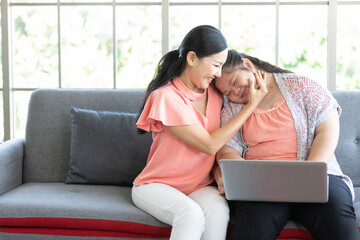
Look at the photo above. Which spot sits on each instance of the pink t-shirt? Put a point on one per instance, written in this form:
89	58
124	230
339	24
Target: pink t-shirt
271	134
171	160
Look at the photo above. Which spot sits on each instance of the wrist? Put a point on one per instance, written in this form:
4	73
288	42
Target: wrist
250	106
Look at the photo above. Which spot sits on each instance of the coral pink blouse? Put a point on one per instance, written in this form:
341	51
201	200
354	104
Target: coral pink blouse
271	134
172	161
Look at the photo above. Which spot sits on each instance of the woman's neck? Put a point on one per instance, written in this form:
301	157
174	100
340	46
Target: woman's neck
186	79
273	95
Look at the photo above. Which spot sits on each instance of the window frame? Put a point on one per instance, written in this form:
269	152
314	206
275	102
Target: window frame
7	5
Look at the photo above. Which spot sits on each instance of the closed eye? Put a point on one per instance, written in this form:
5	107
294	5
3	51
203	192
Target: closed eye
233	82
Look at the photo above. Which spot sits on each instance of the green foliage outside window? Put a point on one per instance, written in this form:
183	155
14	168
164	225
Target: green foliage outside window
86	43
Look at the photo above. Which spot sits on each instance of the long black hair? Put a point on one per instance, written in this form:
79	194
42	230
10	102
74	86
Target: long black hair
235	61
204	40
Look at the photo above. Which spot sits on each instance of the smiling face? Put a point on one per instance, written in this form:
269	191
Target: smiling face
203	70
235	84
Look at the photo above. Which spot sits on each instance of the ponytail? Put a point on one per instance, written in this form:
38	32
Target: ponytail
204	40
169	67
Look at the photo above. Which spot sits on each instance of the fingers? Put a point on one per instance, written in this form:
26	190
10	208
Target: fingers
264	76
221	191
221	187
251	84
260	79
257	88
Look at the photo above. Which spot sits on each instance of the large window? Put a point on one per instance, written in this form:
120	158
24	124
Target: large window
1	87
348	47
118	43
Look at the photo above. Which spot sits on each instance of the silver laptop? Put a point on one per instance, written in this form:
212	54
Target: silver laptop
275	180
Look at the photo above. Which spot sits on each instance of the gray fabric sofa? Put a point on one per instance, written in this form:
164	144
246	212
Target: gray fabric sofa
37	203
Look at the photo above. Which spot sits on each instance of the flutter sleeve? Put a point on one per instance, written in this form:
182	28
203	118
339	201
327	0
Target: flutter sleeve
319	102
166	108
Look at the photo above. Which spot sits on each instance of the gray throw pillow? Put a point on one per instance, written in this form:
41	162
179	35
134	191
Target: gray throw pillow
106	148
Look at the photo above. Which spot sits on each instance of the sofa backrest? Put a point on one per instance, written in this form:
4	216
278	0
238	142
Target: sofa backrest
48	134
348	148
47	140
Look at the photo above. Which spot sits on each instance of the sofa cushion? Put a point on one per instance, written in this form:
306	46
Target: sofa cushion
87	211
62	209
105	148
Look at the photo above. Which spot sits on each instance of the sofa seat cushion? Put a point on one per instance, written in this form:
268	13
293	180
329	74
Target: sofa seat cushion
63	209
90	210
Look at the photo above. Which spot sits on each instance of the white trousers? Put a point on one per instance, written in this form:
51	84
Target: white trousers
203	214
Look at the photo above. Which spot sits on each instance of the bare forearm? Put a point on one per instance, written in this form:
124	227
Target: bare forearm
227	152
221	136
322	148
210	143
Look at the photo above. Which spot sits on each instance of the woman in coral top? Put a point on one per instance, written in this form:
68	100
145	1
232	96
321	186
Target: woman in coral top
296	120
182	110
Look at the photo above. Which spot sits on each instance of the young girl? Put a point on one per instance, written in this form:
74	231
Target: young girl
182	109
296	120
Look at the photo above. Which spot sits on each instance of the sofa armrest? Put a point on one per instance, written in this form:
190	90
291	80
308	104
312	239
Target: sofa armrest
11	164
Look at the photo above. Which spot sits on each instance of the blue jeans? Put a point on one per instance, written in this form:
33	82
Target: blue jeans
265	220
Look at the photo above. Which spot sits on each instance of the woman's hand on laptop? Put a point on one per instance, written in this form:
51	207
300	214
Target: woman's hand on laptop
218	178
225	152
220	184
